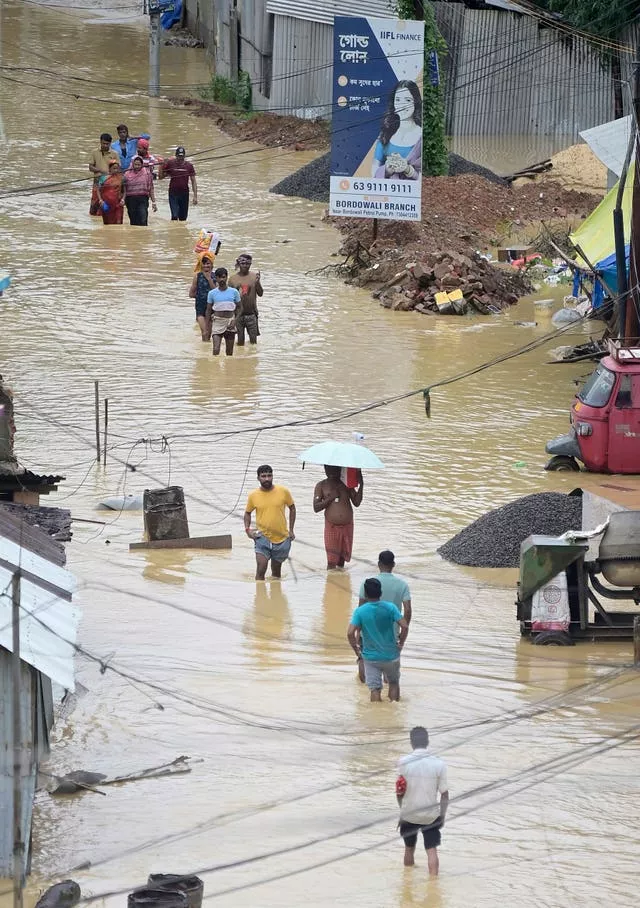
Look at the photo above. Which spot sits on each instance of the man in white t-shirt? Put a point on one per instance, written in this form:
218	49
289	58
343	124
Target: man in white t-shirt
421	778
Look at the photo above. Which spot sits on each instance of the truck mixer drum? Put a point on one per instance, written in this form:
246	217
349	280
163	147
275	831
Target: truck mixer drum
619	555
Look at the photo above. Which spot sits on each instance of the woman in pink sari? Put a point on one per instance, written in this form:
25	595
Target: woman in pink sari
110	190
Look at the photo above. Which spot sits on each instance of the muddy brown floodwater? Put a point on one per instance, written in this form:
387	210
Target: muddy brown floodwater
292	801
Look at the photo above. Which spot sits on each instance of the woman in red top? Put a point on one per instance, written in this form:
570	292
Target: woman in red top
138	189
109	191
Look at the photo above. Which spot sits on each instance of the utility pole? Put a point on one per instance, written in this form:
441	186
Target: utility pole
154	48
632	319
18	844
234	63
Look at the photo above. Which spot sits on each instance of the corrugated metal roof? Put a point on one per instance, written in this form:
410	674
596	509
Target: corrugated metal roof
325	10
302	67
511	78
48	621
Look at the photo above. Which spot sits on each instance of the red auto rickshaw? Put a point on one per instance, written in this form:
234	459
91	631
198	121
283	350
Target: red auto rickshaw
605	419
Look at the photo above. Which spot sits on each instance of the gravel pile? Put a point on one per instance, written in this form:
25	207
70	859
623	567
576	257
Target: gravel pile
459	165
493	540
312	180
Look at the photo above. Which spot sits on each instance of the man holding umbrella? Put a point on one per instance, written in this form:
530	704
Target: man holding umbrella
337	501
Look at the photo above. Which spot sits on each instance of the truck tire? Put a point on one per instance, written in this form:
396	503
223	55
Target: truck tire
553	638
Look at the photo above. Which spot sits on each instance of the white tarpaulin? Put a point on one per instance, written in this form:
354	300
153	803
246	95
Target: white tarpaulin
609	142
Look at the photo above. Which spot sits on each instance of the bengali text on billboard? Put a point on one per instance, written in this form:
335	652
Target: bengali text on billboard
376	146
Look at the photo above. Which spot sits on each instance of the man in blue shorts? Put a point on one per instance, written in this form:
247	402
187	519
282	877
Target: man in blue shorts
272	538
372	635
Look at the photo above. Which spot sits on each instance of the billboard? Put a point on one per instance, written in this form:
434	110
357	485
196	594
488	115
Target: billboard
376	143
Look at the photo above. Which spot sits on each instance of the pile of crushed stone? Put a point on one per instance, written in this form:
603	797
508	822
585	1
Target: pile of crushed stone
312	181
493	540
309	182
459	165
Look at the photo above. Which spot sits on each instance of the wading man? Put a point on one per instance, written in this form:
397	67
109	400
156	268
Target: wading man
272	538
180	172
372	635
247	282
421	778
337	501
394	588
220	315
99	166
125	146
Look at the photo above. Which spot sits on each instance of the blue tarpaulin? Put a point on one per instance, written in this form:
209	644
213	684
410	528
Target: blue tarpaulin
607	270
171	17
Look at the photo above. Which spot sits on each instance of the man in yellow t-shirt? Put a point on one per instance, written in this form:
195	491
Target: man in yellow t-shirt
272	538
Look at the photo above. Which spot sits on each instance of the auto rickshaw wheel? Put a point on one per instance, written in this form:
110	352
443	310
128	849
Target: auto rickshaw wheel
553	638
563	463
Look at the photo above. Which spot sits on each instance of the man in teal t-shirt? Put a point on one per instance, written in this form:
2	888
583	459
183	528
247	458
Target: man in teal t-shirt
372	636
394	588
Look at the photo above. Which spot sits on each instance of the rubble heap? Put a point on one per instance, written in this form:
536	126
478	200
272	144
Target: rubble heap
467	282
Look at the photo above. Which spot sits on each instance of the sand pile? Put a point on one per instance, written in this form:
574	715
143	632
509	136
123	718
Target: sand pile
574	168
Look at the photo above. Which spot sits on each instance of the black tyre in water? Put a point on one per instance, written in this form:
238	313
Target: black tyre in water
157	898
191	886
553	638
563	463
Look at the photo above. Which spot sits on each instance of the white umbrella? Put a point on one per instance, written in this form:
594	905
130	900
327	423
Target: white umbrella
342	454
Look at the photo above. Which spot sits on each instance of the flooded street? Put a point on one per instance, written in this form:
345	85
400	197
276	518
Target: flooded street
291	798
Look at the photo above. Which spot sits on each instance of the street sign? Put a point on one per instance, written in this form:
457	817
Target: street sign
434	68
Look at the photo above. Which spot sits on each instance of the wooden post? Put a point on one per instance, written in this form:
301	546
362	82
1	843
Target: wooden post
636	641
96	401
106	427
18	844
375	229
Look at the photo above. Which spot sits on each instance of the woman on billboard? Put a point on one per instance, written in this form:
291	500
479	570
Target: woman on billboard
398	151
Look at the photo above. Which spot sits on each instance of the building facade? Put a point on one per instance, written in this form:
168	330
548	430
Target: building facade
506	73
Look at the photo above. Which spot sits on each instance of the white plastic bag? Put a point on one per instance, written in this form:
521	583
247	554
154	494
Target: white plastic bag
550	606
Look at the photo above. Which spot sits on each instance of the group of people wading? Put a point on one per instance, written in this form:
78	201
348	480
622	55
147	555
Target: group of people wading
226	307
377	633
124	172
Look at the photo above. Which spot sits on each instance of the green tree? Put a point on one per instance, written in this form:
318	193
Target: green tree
435	157
605	18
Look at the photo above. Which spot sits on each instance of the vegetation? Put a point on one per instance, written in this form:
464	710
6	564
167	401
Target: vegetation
435	160
605	18
224	91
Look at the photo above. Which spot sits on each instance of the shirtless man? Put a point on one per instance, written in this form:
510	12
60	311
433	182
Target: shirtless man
248	283
336	500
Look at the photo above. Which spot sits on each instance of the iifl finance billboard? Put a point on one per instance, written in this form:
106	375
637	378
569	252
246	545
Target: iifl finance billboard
376	144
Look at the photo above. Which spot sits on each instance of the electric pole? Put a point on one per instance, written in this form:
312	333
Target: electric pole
18	844
632	318
154	47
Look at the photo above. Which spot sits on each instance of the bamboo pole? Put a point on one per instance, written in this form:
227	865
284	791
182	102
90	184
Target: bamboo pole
106	427
96	404
636	641
18	844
